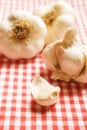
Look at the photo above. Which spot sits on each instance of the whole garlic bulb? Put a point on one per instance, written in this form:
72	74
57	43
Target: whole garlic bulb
67	59
22	35
58	17
44	93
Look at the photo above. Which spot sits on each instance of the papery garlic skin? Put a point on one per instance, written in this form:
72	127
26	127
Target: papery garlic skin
22	35
70	58
58	17
44	93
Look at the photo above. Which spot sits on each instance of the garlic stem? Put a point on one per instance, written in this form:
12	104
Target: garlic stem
21	30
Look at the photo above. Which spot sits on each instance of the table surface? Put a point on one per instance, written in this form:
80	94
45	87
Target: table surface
18	110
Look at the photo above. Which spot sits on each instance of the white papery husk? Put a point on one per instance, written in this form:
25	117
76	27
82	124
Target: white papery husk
43	92
67	58
57	16
22	35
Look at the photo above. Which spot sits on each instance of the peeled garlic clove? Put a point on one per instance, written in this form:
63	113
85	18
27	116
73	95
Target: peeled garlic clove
22	35
70	56
44	93
57	16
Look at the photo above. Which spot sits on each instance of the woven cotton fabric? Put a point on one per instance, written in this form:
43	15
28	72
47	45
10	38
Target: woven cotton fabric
18	110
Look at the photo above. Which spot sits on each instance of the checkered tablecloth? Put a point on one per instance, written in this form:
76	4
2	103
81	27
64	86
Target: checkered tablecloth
18	110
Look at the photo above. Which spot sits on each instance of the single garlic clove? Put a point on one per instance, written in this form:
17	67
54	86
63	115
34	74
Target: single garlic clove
22	34
58	17
49	56
82	78
69	56
70	62
44	93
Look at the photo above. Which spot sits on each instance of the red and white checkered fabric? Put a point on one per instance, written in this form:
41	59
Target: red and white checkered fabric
18	110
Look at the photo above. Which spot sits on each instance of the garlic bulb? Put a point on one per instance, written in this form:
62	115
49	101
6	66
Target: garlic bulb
67	58
22	35
58	17
44	93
